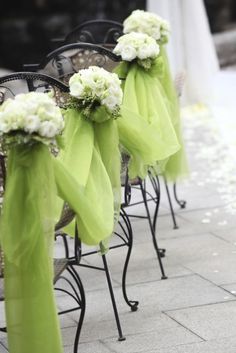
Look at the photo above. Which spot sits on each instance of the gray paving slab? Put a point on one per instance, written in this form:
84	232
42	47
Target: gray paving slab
146	319
96	347
196	248
153	340
218	269
217	346
3	349
179	293
226	234
165	295
209	321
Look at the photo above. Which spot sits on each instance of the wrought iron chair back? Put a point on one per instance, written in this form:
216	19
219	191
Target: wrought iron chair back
63	62
102	32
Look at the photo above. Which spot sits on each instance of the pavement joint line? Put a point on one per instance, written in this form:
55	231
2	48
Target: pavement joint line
185	327
107	345
186	236
210	281
160	280
201	305
220	237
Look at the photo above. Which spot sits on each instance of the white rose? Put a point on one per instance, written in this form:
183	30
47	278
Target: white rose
110	102
4	123
76	89
128	53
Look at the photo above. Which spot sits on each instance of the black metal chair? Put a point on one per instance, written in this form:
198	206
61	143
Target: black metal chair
64	271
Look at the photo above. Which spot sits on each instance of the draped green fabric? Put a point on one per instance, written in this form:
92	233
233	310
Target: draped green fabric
27	235
91	155
177	165
145	118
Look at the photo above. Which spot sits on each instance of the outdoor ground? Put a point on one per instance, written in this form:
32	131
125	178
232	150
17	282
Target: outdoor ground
194	310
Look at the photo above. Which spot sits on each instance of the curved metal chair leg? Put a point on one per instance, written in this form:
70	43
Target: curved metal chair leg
133	304
78	295
163	275
109	282
181	203
82	302
175	225
156	187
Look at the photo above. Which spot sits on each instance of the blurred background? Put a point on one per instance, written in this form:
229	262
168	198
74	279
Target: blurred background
27	26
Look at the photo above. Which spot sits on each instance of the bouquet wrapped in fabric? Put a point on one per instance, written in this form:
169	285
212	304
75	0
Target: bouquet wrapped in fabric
149	23
28	124
144	96
159	29
30	117
97	93
137	47
91	152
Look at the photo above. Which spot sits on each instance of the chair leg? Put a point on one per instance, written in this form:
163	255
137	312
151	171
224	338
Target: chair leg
133	304
175	225
156	187
181	203
163	276
77	293
82	303
110	287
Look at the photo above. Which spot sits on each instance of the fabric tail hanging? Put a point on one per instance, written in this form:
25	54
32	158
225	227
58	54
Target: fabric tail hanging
27	236
92	157
177	165
145	102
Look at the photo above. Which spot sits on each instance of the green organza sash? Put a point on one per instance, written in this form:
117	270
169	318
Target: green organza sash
27	228
177	165
145	111
91	155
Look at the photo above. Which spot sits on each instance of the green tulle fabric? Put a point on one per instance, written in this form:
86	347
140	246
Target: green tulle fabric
177	165
27	236
146	130
91	155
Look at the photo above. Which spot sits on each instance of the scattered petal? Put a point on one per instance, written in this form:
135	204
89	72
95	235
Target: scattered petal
222	223
206	220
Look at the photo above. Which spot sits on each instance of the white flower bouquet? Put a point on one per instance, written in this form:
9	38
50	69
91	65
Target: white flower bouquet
138	47
97	93
149	23
30	117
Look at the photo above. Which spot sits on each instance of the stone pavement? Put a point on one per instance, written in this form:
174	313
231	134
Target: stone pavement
194	310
